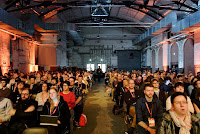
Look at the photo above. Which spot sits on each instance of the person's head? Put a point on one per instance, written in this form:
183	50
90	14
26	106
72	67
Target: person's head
54	81
32	79
54	94
144	78
20	85
125	83
179	87
155	75
72	81
65	77
179	103
65	86
38	75
155	83
131	84
15	75
119	77
148	90
197	83
80	78
44	87
3	82
25	94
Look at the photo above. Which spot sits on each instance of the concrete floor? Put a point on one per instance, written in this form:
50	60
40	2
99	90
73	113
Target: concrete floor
98	109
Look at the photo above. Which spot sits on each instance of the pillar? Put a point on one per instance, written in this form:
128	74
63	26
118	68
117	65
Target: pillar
197	51
165	56
4	52
47	51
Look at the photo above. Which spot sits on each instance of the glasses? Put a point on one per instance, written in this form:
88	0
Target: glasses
181	102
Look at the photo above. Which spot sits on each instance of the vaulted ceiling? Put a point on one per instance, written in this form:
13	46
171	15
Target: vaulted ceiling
134	16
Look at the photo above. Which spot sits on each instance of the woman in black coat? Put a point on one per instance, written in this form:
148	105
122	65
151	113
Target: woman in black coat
56	106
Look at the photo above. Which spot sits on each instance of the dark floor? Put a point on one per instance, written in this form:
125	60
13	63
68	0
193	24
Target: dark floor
98	109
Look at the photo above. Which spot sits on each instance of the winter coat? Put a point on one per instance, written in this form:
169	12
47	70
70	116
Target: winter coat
167	125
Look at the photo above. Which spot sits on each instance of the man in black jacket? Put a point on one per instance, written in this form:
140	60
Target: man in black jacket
148	111
25	113
131	96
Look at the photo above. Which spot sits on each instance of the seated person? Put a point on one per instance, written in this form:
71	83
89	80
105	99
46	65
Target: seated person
34	87
4	90
149	110
68	96
196	103
42	97
131	96
179	87
81	85
16	94
179	120
160	94
24	115
56	106
5	107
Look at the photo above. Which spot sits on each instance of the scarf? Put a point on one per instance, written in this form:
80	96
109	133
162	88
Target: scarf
185	125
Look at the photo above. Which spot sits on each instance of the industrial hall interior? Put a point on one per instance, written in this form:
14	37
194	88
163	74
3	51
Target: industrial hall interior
99	66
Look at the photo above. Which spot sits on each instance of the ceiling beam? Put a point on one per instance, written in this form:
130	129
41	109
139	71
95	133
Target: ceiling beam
11	4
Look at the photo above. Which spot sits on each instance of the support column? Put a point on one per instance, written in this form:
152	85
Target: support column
47	51
156	57
148	59
165	56
180	56
197	51
4	52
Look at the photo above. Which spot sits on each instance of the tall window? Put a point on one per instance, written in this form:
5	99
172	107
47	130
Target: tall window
90	67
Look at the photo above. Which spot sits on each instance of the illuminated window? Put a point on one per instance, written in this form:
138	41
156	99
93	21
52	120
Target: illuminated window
90	67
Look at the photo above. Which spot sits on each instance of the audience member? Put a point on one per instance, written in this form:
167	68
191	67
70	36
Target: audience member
179	120
56	106
148	111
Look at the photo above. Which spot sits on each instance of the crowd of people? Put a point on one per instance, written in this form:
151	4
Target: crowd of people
24	97
156	103
161	102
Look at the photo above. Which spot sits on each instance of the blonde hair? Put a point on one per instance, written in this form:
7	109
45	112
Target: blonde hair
51	101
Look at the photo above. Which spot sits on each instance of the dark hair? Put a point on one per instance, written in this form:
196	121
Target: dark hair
147	85
178	84
32	76
54	78
167	78
197	95
66	82
154	80
3	79
20	82
80	76
195	83
72	78
174	95
26	88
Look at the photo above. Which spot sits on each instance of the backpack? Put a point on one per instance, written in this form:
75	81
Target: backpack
82	120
